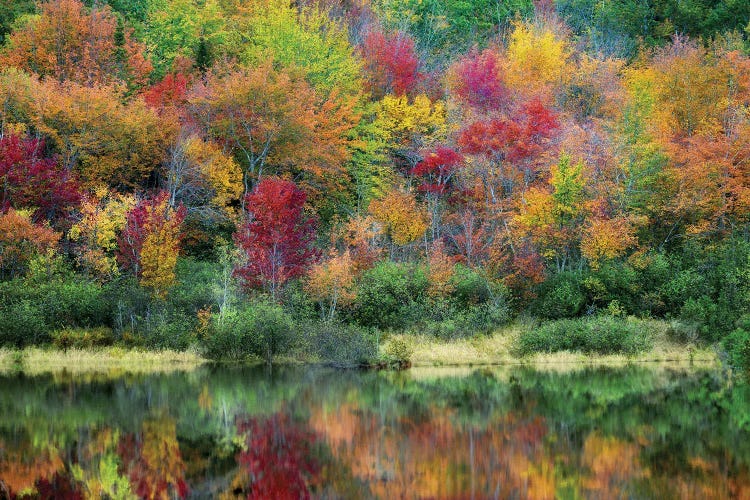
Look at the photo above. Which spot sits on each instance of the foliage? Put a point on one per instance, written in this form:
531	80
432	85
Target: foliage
150	242
600	334
276	238
68	42
391	296
259	329
21	324
20	240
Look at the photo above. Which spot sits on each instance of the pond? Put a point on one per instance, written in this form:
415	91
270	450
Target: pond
300	432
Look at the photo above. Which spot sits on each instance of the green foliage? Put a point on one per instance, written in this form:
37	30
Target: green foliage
737	345
255	329
599	334
620	26
391	296
21	324
560	296
10	12
398	350
441	26
339	344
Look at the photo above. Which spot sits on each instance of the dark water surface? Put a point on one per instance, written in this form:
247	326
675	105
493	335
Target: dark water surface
630	432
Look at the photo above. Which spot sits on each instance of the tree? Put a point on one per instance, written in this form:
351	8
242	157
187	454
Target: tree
103	215
303	37
537	59
273	123
20	240
437	170
477	80
27	180
390	63
97	135
331	283
69	42
276	238
401	218
150	242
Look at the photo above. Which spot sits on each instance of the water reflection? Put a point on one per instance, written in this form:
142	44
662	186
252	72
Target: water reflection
318	433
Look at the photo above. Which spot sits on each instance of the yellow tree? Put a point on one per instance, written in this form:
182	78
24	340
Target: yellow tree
331	283
150	243
103	216
400	216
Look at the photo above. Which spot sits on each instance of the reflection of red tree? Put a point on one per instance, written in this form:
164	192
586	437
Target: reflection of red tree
278	459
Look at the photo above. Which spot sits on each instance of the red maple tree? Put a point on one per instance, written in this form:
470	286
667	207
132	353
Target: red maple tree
477	80
28	180
391	63
277	237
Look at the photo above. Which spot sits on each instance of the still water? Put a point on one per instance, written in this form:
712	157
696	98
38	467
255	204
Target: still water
220	432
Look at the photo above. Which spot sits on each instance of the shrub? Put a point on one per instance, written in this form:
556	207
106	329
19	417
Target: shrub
391	296
21	324
737	345
561	296
83	338
600	334
477	320
340	344
167	330
259	329
398	350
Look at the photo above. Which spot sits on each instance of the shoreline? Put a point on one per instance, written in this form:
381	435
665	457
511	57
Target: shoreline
426	352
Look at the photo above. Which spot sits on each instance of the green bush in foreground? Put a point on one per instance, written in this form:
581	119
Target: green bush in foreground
737	345
599	334
340	344
21	324
260	329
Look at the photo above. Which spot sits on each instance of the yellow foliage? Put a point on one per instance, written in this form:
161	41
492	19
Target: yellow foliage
420	123
161	245
103	216
606	239
402	218
217	170
536	58
332	281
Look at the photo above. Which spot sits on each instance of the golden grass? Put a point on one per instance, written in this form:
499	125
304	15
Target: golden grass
497	349
35	360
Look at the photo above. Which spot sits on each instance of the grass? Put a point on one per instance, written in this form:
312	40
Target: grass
500	348
35	360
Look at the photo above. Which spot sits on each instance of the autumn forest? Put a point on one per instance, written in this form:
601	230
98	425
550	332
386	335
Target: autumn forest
267	179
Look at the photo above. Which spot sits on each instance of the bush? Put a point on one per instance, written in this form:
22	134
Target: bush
21	324
83	338
391	296
737	345
166	330
398	350
477	320
259	329
340	344
561	296
67	301
600	334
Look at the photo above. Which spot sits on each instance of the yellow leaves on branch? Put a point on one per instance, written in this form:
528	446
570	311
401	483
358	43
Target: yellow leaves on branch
331	282
606	239
402	219
536	58
420	123
103	216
